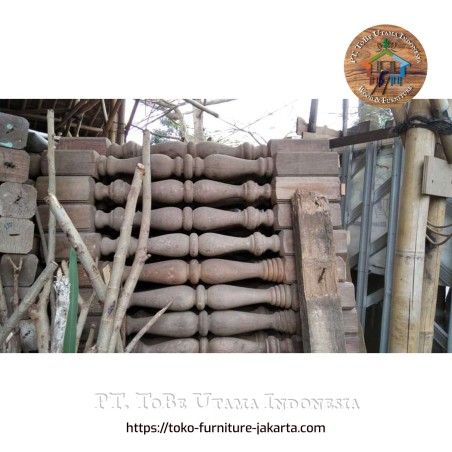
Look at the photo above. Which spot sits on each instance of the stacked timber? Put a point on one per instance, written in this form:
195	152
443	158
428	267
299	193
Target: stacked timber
18	250
222	243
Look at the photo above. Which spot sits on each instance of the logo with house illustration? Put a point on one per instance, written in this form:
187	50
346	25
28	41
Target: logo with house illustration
385	66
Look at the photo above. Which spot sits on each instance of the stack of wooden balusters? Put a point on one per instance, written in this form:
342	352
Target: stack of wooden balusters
221	240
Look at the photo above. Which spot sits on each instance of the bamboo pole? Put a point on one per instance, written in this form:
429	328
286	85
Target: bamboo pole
441	109
410	243
122	123
108	313
77	243
27	301
141	254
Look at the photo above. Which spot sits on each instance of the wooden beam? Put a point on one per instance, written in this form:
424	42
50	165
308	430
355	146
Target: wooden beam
13	131
373	135
315	257
312	124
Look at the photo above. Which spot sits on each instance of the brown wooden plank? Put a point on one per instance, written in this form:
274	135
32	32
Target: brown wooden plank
62	246
352	343
14	165
69	189
286	238
316	266
27	274
373	135
283	216
82	215
70	163
304	145
13	131
98	144
306	164
16	235
17	200
285	187
96	306
437	178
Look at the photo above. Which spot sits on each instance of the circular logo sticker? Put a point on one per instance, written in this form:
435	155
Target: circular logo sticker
385	66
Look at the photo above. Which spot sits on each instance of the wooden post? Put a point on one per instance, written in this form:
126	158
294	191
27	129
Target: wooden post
442	109
410	243
315	256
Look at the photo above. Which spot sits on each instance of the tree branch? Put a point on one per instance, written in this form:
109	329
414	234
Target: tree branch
141	252
27	301
146	327
108	313
202	107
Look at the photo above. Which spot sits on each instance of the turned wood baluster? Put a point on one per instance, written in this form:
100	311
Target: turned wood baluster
219	345
220	323
178	149
174	192
208	244
219	297
210	271
201	218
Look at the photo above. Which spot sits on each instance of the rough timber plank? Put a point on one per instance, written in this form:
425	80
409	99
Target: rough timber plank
321	312
283	216
73	163
17	200
82	215
286	238
27	274
69	189
98	144
276	146
347	294
16	235
306	164
14	165
13	131
285	187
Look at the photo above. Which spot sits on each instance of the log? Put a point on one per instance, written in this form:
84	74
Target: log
201	218
178	149
306	164
70	189
285	187
17	200
218	297
216	167
283	216
211	271
13	131
27	274
320	305
271	344
174	192
209	245
14	165
221	323
16	235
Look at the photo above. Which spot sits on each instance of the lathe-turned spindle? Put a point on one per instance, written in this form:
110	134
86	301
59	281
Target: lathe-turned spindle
219	345
218	297
211	271
179	149
201	218
220	323
218	167
208	244
174	192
